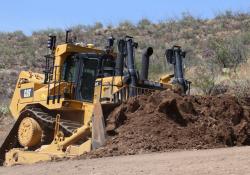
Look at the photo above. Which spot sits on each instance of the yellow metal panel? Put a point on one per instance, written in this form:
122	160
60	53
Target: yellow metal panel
106	87
166	79
88	111
67	48
73	150
17	156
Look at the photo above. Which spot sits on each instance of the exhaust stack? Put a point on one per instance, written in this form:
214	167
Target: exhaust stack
145	63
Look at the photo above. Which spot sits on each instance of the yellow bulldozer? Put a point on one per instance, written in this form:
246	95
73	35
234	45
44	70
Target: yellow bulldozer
62	112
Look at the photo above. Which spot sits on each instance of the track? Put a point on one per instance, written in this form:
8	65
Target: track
206	162
46	121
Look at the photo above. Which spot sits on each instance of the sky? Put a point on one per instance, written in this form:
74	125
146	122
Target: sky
32	15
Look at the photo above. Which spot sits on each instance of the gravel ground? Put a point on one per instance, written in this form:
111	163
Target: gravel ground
223	161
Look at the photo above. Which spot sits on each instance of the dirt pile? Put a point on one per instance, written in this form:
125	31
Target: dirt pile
167	121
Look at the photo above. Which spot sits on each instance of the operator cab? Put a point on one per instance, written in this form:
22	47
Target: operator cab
82	70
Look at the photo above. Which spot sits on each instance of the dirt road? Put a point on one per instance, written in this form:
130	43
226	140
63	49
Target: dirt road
226	161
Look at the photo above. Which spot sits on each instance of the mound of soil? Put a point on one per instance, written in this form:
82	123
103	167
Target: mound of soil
167	121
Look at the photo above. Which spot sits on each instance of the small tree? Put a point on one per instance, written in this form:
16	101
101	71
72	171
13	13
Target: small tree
228	53
126	25
144	23
97	25
204	78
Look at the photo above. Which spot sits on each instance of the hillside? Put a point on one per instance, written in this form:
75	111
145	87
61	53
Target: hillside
211	45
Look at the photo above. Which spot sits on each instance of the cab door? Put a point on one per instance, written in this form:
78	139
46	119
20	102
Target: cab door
86	72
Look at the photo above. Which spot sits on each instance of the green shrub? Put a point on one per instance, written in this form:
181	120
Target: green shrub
4	110
228	53
204	79
241	88
126	25
144	23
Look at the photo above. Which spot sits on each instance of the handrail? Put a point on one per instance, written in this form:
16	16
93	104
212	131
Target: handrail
56	81
123	94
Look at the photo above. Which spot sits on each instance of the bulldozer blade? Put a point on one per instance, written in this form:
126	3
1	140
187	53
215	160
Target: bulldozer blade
98	127
100	114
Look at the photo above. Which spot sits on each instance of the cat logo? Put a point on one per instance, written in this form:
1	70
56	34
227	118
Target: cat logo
27	93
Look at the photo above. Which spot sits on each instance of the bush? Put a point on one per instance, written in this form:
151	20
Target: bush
228	14
126	25
204	79
241	88
4	110
188	20
229	53
246	38
143	23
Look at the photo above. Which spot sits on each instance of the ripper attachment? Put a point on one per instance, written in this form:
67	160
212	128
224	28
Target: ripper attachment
175	56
